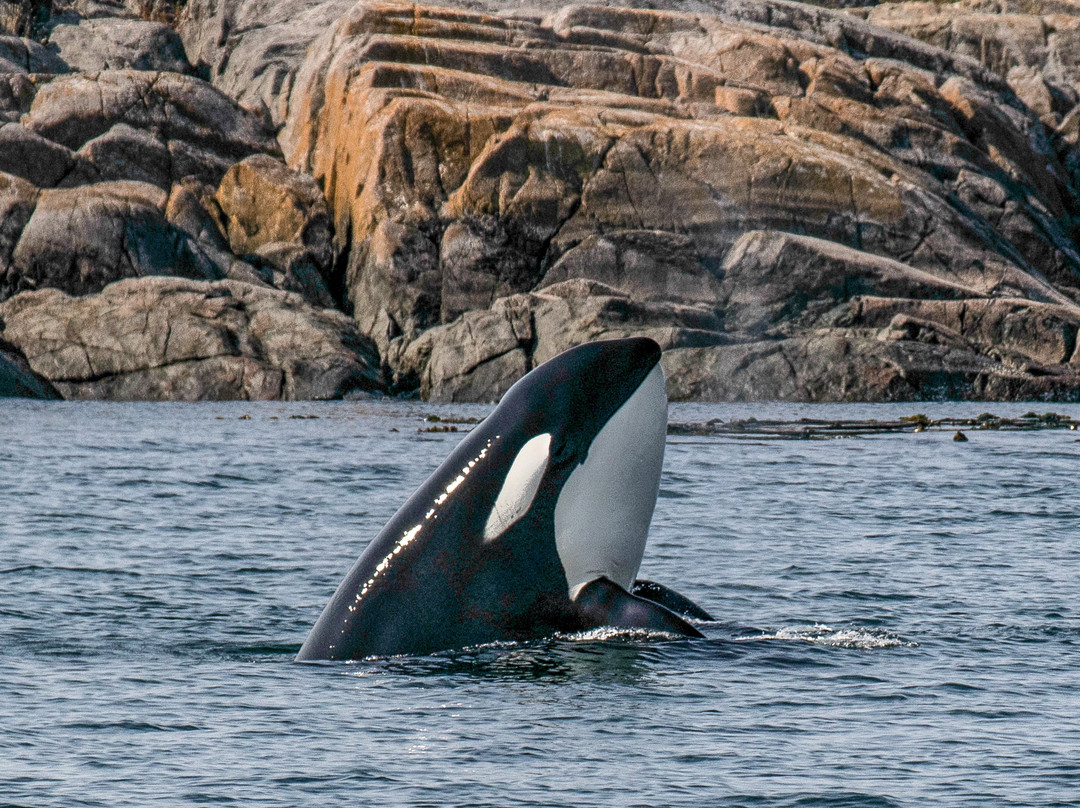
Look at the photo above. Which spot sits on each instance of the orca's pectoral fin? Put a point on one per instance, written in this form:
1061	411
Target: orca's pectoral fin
604	603
669	599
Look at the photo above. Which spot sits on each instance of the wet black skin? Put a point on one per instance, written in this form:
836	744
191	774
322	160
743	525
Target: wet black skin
669	599
448	588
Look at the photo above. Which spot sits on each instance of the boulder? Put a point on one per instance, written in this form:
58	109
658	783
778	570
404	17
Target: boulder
280	217
21	55
26	153
81	239
129	124
18	198
174	339
92	45
16	94
122	153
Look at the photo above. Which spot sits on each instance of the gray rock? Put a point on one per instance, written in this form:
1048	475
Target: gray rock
853	366
81	239
18	198
113	44
770	278
17	92
203	131
294	269
645	264
122	153
169	339
794	203
19	55
1016	331
478	357
28	155
470	157
253	48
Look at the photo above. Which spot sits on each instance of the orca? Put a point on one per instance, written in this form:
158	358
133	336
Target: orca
534	525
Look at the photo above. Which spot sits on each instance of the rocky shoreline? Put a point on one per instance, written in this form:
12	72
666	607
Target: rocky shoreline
239	199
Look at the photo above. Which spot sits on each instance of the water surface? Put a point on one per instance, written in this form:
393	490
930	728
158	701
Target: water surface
898	621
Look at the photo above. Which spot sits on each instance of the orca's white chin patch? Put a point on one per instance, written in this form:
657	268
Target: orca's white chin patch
603	513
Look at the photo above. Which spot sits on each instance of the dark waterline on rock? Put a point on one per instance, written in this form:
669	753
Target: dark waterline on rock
897	620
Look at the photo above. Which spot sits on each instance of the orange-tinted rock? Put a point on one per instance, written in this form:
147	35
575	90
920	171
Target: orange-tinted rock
470	157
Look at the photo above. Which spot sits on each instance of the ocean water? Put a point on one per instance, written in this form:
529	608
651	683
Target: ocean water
898	621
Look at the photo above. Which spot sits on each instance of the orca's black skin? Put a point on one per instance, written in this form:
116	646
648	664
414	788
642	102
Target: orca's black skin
429	581
605	603
669	599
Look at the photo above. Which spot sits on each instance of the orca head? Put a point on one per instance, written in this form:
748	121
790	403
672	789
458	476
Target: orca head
591	426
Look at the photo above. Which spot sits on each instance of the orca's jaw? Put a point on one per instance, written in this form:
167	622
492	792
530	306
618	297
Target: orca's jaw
604	509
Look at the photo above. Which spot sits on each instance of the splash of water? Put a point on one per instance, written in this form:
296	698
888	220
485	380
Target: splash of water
821	634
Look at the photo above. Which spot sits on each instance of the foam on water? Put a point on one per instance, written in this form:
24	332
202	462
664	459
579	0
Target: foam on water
609	633
820	634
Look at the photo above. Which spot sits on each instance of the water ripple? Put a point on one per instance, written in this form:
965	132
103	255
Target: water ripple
898	623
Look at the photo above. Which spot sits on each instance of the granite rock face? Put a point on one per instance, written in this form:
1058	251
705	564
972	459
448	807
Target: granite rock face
279	217
145	221
174	339
252	49
164	126
108	175
1033	45
877	203
468	158
95	174
17	379
91	45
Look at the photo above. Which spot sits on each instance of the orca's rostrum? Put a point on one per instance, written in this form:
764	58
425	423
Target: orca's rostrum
535	524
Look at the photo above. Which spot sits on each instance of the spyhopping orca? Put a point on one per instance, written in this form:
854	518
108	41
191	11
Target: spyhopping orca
535	523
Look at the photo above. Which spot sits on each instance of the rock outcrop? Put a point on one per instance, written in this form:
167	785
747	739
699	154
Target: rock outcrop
875	203
92	45
469	157
98	171
109	175
174	339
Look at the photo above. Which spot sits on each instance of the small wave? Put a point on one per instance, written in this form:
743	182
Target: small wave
600	634
820	634
89	570
604	633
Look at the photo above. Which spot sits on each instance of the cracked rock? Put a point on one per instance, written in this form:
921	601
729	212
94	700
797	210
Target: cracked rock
174	339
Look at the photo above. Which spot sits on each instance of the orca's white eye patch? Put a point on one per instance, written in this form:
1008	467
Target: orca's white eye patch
520	486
